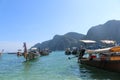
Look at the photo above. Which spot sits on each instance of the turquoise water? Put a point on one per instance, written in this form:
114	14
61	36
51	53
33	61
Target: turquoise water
56	66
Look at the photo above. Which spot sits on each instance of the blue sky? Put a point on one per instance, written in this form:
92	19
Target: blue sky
34	21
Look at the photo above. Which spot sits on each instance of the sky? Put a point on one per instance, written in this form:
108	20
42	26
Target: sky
35	21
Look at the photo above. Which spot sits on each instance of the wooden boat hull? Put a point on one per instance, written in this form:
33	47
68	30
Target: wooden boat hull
106	65
32	56
67	53
42	53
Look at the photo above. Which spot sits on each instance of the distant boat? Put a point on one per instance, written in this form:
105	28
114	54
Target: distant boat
45	52
105	58
74	51
12	53
68	51
1	51
19	53
31	54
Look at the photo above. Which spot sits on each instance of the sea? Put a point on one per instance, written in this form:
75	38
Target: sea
55	66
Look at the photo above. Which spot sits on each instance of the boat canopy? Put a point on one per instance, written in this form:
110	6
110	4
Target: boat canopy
34	48
88	41
108	41
104	50
115	49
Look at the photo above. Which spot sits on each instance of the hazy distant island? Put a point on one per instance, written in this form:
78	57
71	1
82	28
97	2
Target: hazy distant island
109	30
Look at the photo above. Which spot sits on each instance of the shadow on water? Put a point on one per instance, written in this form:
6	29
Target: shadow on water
93	73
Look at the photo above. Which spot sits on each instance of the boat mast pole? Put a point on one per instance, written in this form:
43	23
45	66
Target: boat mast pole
25	50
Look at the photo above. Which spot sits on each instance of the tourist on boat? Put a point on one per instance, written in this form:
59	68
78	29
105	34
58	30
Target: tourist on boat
82	51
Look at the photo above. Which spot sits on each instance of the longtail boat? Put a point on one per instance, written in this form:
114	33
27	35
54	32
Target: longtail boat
105	58
44	52
30	55
67	51
1	52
